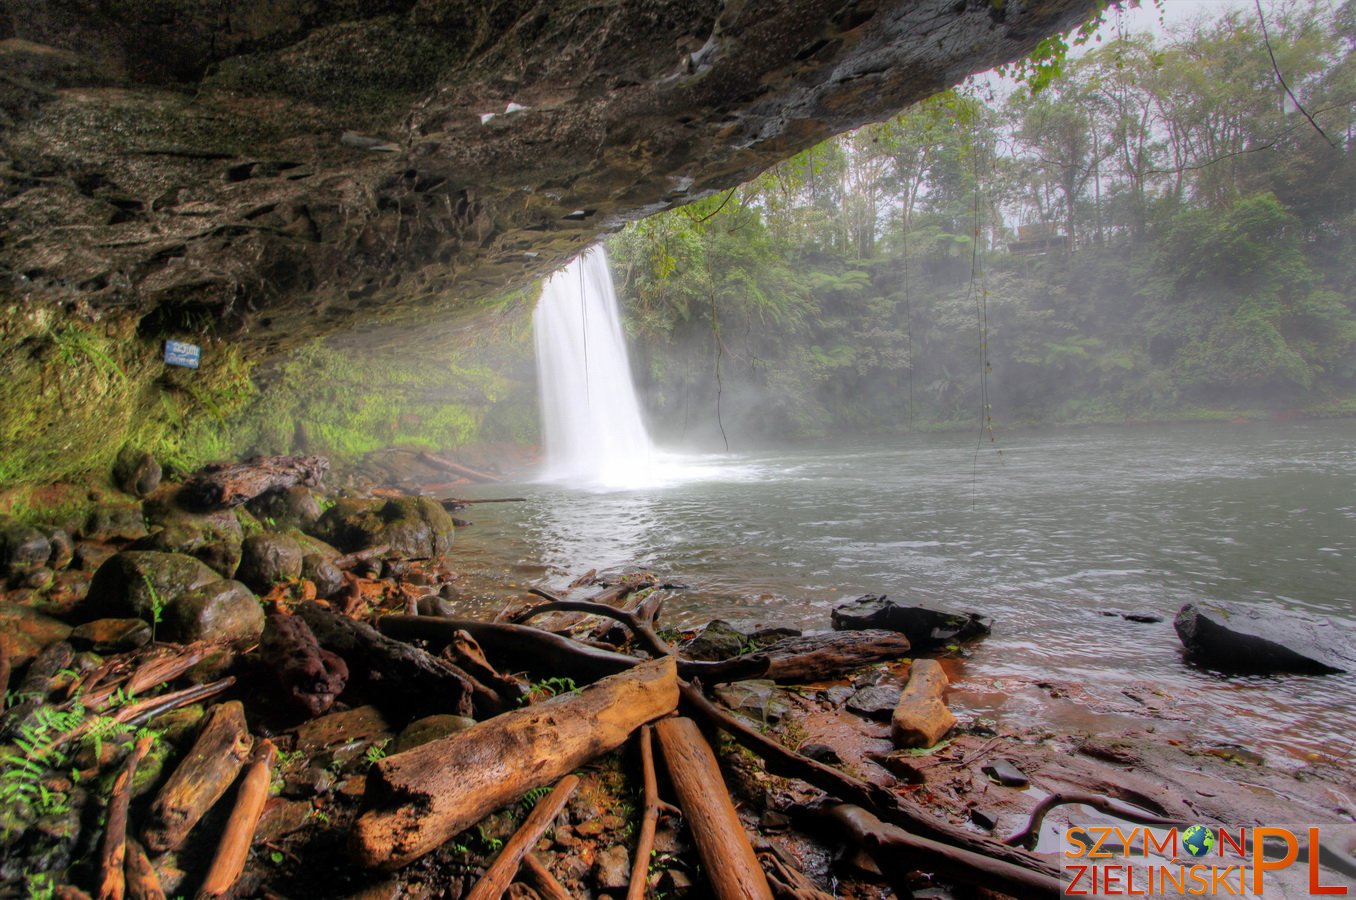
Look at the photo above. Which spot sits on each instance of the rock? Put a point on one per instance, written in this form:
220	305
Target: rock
113	520
718	640
63	550
219	611
1000	771
612	869
434	605
363	723
22	548
325	575
758	699
874	702
215	538
413	527
1143	618
926	629
112	635
311	678
294	507
921	719
268	559
821	753
130	583
838	694
69	592
29	632
90	555
39	579
1236	638
764	637
429	728
135	471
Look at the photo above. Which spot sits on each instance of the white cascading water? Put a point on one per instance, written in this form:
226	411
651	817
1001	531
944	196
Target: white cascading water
594	433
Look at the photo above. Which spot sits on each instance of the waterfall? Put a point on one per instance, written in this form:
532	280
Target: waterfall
591	419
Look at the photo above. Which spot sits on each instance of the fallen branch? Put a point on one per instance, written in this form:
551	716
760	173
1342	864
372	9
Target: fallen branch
113	846
234	848
1028	835
418	799
349	560
456	468
649	819
142	882
788	882
727	856
495	881
905	852
540	879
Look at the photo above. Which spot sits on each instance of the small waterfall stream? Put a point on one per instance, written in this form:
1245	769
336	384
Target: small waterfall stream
594	434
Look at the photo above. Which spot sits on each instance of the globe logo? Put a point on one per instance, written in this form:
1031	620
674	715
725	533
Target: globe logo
1198	840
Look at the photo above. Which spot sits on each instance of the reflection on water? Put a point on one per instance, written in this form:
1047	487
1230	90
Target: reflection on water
1044	538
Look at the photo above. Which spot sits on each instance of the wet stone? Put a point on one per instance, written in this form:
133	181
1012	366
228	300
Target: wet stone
839	694
364	722
875	702
112	635
63	550
718	640
759	699
29	632
429	728
22	547
325	575
612	869
269	559
221	610
821	753
1000	771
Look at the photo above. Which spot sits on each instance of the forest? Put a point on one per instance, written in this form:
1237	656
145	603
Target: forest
1163	231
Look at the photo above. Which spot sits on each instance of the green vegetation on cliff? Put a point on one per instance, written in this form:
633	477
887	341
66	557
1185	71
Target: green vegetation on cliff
1185	251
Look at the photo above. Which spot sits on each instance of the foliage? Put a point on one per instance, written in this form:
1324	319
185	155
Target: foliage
1185	249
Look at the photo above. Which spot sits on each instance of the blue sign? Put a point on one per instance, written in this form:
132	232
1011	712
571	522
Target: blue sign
177	353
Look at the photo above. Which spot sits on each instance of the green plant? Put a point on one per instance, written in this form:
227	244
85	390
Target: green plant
491	843
157	605
551	687
23	780
375	753
40	886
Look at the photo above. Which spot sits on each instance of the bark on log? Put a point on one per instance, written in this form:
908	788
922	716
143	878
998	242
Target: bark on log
234	848
921	718
220	486
616	596
456	468
418	799
113	846
142	881
727	856
894	848
206	772
394	675
466	654
540	879
818	657
495	881
788	882
649	820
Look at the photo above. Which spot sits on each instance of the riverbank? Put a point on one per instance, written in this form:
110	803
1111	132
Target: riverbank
330	754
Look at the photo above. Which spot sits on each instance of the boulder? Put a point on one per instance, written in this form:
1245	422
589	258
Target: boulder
220	611
214	538
324	574
134	582
114	520
718	640
136	472
612	868
1237	638
757	699
876	701
29	632
429	728
268	559
927	629
63	551
112	635
921	719
22	547
413	527
293	507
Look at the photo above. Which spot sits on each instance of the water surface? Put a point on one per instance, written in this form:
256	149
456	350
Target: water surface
1042	531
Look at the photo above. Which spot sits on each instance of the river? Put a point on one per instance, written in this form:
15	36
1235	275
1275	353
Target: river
1044	531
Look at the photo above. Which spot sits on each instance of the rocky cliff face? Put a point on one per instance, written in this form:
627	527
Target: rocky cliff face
267	168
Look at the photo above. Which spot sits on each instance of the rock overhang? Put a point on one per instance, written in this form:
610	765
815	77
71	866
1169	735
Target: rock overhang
268	169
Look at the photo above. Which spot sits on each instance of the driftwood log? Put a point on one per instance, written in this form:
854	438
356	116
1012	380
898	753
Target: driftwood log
234	848
113	846
222	486
535	874
142	881
724	848
649	819
394	674
894	848
456	468
418	799
206	772
495	881
466	654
